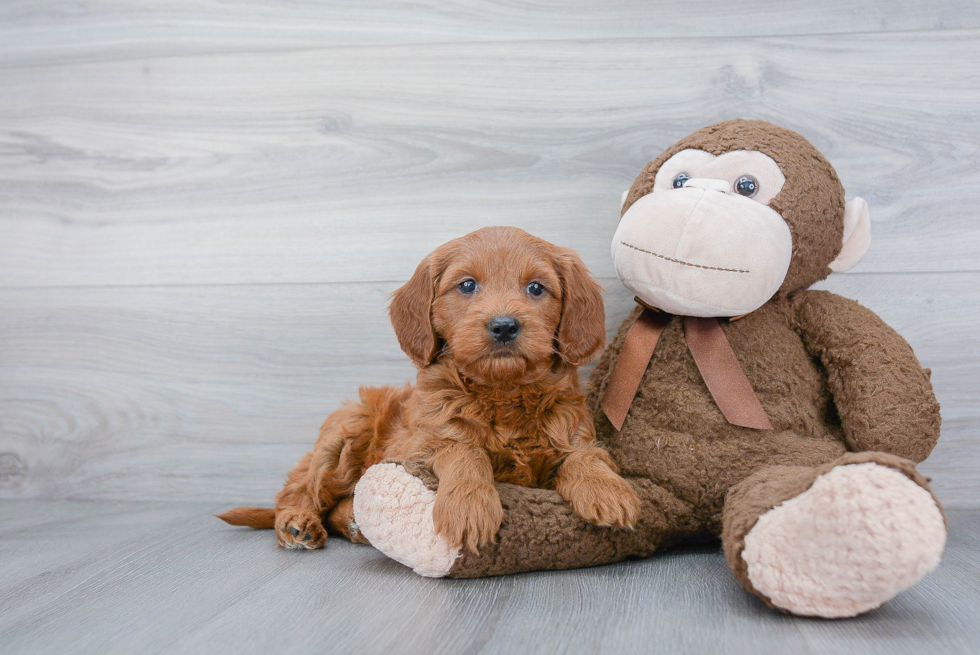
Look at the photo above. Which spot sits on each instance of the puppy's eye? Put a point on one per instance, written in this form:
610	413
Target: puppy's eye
680	180
467	286
746	186
535	288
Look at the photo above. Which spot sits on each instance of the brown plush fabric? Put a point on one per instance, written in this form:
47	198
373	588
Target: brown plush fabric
883	395
540	532
831	376
676	436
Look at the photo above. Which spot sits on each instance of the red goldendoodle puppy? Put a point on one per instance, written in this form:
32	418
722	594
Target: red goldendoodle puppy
497	322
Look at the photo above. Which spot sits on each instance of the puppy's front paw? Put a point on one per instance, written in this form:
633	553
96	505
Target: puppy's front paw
299	529
467	514
605	500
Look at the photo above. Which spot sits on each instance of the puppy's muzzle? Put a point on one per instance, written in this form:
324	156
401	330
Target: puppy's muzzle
504	329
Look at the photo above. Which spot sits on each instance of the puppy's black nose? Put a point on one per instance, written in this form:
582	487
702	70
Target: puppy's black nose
504	328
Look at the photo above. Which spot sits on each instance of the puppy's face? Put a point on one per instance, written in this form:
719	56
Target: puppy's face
501	304
497	308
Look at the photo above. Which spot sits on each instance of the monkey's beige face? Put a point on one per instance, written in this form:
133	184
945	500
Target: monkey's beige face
705	242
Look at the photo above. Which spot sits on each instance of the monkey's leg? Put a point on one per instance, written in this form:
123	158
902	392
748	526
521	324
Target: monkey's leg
393	509
833	541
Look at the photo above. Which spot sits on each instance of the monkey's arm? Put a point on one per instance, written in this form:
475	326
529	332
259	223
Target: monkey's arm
882	393
393	506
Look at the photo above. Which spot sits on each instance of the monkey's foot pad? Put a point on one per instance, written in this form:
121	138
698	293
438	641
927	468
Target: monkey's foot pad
856	538
393	509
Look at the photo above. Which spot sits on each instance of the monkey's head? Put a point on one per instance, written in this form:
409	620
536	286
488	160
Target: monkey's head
734	215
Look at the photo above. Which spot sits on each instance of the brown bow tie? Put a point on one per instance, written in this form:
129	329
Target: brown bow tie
713	355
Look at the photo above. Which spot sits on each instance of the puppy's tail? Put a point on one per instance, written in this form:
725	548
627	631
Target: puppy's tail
252	517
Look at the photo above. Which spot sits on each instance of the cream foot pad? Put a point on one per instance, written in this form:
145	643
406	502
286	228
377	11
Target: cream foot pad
393	509
856	538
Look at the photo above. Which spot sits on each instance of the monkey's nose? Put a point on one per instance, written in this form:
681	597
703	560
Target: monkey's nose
504	328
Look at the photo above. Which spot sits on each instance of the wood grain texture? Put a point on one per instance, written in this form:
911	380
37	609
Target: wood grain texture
198	393
45	31
203	206
167	577
348	164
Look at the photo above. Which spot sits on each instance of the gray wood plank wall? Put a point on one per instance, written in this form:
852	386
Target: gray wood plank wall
203	207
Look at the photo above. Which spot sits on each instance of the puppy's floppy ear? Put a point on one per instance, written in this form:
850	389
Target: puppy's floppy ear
582	331
411	314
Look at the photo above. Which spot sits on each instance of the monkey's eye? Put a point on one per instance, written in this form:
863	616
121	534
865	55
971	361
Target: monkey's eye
535	288
467	286
680	180
747	186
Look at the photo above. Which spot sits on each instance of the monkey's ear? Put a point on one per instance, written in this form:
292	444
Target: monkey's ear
411	314
857	235
582	331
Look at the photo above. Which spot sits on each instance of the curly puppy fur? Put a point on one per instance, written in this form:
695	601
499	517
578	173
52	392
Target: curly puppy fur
482	409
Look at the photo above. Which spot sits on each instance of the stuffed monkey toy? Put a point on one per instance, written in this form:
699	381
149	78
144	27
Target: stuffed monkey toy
740	405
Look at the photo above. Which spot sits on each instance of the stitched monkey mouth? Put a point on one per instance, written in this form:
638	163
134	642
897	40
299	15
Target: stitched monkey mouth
679	261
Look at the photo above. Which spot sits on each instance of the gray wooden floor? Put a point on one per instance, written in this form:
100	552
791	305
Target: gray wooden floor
152	577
